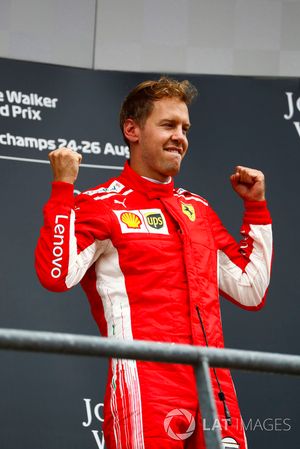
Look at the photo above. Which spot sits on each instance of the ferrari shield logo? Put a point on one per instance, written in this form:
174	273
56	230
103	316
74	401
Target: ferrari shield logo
189	211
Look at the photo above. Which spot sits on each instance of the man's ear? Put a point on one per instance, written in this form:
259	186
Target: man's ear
131	130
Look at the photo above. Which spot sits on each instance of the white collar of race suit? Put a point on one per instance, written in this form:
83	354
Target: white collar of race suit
149	188
156	181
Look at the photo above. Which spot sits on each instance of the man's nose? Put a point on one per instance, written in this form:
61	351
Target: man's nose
179	135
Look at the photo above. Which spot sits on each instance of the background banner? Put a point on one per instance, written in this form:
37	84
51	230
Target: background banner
50	401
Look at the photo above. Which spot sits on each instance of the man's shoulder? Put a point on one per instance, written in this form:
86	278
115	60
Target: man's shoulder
190	196
102	191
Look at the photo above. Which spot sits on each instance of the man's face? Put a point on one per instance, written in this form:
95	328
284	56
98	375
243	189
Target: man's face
162	140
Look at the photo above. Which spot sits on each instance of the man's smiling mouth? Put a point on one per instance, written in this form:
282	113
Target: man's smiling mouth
175	150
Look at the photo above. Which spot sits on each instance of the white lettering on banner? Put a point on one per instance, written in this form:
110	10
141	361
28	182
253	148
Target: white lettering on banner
292	105
116	150
58	241
4	110
19	105
97	411
83	146
26	113
297	126
89	412
27	142
100	444
32	99
89	418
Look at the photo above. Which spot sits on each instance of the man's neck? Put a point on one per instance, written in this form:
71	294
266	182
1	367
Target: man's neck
156	181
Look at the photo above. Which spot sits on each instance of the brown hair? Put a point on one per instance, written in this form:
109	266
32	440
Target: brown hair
138	104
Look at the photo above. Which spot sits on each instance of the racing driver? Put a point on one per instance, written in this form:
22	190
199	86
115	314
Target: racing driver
152	260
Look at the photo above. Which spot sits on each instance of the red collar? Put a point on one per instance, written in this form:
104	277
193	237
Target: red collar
151	189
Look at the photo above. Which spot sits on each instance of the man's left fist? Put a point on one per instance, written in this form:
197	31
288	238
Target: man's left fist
248	183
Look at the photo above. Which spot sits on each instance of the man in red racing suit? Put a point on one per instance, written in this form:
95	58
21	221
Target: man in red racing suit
152	260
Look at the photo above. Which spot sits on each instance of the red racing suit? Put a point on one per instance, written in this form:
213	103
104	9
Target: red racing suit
152	260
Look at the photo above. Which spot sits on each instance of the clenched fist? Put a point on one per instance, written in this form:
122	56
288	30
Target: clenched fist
65	164
248	183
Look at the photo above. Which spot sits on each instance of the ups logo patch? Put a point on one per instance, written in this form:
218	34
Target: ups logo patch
156	221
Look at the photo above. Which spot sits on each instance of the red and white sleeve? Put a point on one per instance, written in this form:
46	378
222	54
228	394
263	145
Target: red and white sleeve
73	236
245	268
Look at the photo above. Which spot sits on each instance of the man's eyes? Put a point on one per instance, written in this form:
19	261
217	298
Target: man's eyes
172	125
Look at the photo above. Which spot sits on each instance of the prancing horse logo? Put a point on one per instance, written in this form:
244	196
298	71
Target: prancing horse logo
189	211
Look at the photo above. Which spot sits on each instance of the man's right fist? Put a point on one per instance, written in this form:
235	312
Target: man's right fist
65	164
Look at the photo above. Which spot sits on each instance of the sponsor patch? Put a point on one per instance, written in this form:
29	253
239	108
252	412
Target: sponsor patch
147	221
114	187
156	221
189	211
131	220
230	443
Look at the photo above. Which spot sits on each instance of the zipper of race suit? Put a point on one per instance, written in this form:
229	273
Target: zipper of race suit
221	393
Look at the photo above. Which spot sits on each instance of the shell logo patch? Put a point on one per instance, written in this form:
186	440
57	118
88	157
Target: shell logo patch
131	220
189	211
145	221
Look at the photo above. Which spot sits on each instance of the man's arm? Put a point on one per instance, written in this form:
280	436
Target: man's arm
73	235
245	268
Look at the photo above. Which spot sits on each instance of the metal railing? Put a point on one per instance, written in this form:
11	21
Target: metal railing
201	358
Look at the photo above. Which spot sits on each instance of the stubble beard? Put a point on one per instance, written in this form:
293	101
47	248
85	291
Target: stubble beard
171	168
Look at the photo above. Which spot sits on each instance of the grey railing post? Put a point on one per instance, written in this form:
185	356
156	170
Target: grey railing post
208	406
